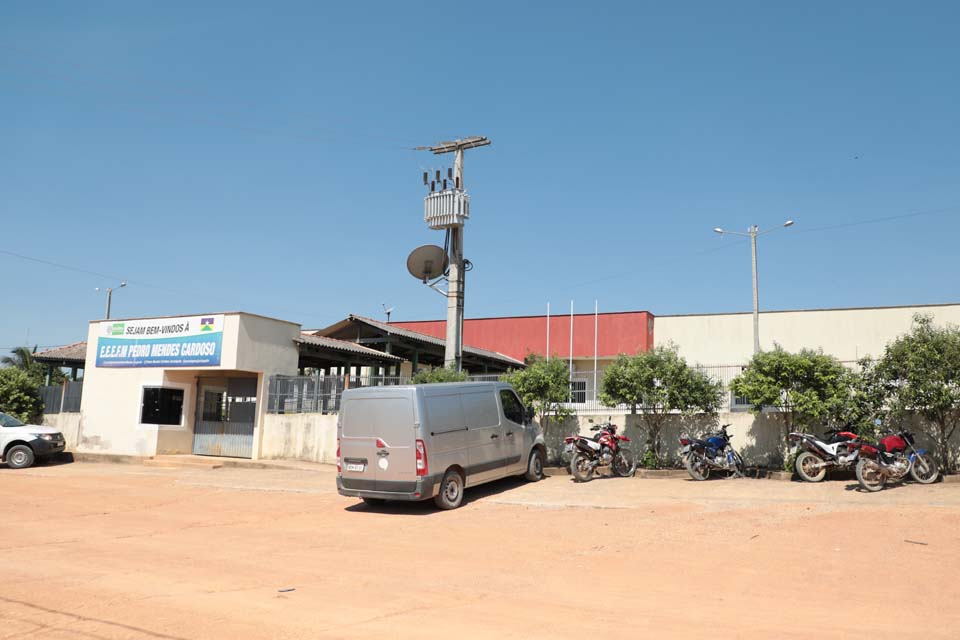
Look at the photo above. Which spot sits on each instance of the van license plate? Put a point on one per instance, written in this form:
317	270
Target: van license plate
355	467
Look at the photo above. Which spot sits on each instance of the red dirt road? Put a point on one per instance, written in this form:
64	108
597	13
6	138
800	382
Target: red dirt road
96	551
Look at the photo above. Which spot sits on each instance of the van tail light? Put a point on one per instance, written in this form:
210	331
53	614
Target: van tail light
381	444
339	467
684	441
422	467
569	439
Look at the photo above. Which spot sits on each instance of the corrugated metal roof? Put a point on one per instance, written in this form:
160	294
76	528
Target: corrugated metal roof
75	353
422	337
343	345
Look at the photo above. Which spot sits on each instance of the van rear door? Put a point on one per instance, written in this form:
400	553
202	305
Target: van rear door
377	442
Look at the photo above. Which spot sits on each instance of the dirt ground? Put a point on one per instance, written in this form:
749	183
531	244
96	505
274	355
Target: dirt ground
96	551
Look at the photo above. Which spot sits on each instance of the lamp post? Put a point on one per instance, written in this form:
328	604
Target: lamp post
752	233
110	296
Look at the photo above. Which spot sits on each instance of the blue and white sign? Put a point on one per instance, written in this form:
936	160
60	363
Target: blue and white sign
164	342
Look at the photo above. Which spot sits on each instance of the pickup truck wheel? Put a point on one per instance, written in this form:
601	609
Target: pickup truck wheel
20	457
535	466
451	491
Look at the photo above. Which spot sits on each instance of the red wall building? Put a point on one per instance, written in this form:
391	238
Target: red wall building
623	332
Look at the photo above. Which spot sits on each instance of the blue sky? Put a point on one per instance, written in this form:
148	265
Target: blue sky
257	156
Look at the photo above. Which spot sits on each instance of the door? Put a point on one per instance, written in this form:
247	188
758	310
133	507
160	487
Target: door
514	442
226	418
377	443
485	454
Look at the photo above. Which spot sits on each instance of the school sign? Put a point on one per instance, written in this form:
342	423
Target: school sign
163	342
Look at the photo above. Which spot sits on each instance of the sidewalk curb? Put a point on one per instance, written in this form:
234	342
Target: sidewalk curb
197	462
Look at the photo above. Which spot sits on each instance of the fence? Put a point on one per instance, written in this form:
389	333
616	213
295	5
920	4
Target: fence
62	398
321	394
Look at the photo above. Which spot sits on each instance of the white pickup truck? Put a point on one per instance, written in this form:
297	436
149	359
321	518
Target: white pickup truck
22	444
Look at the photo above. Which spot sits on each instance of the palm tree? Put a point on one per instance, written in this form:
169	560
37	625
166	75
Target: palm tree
22	358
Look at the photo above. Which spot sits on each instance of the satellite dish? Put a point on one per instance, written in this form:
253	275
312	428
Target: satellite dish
427	262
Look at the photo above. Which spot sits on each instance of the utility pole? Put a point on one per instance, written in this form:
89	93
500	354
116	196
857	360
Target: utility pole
110	297
752	233
448	209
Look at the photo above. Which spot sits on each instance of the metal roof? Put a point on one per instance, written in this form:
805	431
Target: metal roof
409	334
75	353
343	345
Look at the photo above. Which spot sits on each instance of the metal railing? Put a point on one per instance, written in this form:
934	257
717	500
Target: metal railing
62	398
321	394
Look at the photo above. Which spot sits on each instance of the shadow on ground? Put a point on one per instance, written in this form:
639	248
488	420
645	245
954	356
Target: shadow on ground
428	508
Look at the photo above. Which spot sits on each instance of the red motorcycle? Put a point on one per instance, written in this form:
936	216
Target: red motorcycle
893	458
605	449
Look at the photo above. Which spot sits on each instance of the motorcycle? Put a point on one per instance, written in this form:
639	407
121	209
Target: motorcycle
701	456
813	456
606	448
893	458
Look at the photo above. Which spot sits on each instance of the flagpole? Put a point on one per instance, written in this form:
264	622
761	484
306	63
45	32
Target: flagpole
570	354
595	309
548	331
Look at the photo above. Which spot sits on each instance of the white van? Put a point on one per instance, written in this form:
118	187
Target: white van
416	442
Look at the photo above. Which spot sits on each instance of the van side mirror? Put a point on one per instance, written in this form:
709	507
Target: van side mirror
528	415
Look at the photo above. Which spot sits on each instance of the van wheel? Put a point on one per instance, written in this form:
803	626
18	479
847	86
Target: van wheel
451	491
19	457
535	466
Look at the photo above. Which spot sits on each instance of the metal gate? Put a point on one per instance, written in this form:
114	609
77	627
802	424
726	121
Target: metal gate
226	417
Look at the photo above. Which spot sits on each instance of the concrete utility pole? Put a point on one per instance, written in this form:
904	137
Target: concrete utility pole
752	233
448	209
110	297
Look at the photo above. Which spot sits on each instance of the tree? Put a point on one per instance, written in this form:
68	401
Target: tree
865	401
808	388
662	383
440	374
22	358
921	373
19	396
544	387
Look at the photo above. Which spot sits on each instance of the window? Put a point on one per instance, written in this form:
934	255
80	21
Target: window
9	421
161	406
578	391
512	407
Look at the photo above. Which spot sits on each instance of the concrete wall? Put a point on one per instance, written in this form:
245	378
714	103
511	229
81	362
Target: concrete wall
847	334
66	423
756	437
300	436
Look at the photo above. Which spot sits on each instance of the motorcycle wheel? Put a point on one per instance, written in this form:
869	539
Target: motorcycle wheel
625	464
696	467
580	468
808	467
924	461
869	475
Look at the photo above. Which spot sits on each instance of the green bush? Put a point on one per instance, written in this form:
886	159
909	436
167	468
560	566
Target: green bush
19	395
439	375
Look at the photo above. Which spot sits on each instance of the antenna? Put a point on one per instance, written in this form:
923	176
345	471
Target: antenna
387	311
427	262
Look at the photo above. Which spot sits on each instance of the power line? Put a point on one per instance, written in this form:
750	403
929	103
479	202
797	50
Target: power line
140	283
857	223
328	137
686	257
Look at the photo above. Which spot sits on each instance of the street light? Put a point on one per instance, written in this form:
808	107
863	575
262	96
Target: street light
110	296
752	233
